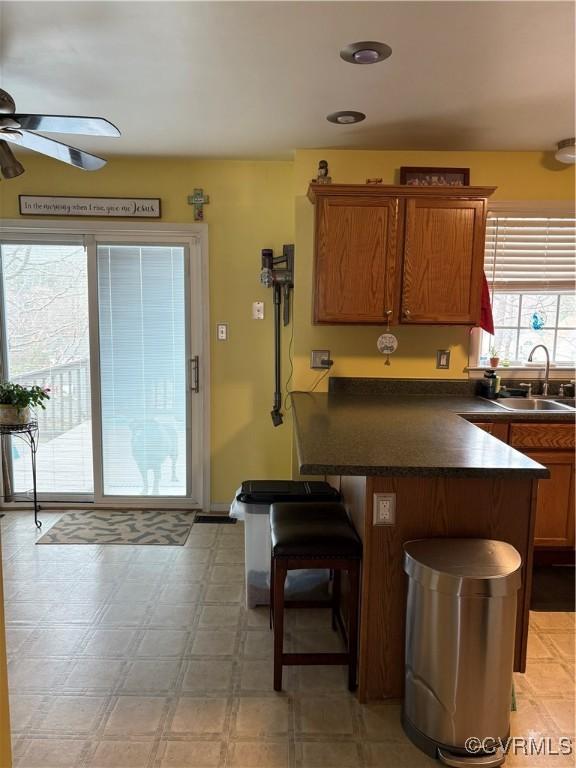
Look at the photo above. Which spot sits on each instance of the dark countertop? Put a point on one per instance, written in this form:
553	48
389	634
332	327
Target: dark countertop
425	435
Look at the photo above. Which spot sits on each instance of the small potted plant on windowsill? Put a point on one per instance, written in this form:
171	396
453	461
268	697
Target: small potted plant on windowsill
494	357
16	401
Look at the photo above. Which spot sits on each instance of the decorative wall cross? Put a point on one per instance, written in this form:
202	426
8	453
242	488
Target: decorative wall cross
198	199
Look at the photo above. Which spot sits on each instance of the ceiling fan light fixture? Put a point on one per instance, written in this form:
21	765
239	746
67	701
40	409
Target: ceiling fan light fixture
7	103
346	117
20	128
566	152
10	168
365	52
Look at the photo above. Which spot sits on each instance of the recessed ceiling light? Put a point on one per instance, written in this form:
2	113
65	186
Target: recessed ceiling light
366	52
566	152
346	117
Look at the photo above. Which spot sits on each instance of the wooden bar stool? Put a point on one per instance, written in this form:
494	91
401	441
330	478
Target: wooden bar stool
314	536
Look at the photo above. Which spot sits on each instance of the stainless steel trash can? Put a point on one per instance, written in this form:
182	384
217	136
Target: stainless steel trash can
460	628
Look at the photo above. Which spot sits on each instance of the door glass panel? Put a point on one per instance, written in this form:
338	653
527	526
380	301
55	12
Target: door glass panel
45	298
142	328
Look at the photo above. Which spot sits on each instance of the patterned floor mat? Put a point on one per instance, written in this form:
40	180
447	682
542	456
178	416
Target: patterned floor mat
141	526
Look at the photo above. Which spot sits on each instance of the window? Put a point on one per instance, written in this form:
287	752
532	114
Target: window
529	264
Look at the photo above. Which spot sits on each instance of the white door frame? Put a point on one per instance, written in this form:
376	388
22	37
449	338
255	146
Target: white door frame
194	237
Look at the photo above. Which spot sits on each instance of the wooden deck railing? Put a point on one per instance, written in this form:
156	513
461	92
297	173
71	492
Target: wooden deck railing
69	403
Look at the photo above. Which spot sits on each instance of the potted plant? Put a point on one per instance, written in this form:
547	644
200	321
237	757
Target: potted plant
16	401
494	357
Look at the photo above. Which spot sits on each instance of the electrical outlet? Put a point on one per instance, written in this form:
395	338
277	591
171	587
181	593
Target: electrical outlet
319	359
384	509
442	358
222	331
258	310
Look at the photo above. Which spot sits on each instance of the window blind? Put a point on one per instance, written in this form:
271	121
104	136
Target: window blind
525	253
142	331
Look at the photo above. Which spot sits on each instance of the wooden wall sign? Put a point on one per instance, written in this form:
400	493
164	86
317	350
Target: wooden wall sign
124	207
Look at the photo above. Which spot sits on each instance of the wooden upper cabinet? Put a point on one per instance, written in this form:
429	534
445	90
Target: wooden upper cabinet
413	254
355	259
443	261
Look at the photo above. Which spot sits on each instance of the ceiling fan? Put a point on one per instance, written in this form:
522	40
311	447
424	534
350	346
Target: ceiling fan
20	129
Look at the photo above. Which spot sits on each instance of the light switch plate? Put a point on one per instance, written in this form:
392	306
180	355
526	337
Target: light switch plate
443	358
222	331
384	509
258	310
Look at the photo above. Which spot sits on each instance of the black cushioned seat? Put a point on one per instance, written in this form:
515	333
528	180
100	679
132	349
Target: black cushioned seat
313	530
308	536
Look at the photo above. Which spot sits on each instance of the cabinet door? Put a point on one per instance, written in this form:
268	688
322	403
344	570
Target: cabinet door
355	269
495	428
443	261
555	506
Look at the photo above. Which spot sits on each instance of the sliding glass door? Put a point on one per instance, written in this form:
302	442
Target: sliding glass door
107	324
46	342
142	316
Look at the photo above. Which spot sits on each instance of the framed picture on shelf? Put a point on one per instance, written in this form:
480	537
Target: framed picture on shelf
435	177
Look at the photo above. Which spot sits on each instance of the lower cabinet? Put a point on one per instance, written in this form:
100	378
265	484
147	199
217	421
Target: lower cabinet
497	429
551	445
555	506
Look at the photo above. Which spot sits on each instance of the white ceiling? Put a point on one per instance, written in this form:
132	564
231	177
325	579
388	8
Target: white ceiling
257	79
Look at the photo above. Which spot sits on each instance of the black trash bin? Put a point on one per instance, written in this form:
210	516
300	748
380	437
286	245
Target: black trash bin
252	504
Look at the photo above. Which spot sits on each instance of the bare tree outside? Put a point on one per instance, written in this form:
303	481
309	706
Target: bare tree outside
46	315
45	291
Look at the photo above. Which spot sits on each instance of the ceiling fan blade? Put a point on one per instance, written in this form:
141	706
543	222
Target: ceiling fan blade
55	149
89	126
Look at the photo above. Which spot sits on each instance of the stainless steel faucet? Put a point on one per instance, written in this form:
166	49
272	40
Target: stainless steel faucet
547	374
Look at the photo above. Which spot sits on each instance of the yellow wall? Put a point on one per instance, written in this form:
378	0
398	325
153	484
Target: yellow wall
251	207
518	176
5	759
257	204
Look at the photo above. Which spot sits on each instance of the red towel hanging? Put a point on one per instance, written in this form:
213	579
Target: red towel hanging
486	317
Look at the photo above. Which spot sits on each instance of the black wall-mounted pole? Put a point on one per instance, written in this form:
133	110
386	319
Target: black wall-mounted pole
280	278
276	412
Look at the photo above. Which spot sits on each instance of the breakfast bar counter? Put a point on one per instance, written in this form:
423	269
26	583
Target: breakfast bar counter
447	477
403	435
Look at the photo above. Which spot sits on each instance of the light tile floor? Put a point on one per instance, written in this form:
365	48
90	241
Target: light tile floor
145	657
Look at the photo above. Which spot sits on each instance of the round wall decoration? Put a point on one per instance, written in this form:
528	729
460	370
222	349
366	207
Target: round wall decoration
387	344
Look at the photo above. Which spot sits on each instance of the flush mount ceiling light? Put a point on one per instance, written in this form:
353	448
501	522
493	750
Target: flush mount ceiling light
365	52
566	152
346	117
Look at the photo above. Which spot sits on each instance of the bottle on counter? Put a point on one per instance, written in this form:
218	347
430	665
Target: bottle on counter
490	384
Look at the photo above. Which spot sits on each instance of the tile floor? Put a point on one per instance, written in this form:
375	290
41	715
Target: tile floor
145	657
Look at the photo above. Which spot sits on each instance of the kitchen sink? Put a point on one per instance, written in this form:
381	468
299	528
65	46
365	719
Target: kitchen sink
569	401
532	404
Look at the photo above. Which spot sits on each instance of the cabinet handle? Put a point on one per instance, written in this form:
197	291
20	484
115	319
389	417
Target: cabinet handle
195	374
406	313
